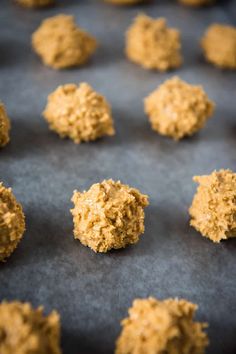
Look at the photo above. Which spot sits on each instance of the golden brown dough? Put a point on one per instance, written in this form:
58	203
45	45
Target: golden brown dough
61	44
12	222
219	46
151	44
25	330
160	327
178	109
35	3
213	210
108	215
196	2
79	113
4	126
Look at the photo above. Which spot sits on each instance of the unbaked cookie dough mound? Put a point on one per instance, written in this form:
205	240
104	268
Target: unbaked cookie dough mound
61	44
160	327
35	3
25	330
4	126
151	44
196	2
79	113
219	46
12	222
213	210
110	215
178	109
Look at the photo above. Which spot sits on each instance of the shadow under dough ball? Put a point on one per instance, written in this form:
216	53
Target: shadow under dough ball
178	109
79	113
151	44
110	215
4	126
125	2
219	46
60	43
12	222
35	3
213	210
24	330
159	327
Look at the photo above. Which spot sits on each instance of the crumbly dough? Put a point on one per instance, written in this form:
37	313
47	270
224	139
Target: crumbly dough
178	109
79	112
196	2
61	44
151	44
24	330
213	210
109	215
160	327
4	126
35	3
12	222
219	46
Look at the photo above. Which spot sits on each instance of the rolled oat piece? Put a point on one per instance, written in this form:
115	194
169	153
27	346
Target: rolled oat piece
159	327
35	3
178	109
151	44
110	215
4	126
219	46
197	2
25	330
79	113
60	43
12	223
213	210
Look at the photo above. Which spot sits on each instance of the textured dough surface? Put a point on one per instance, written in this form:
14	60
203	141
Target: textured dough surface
213	210
24	330
151	44
219	46
35	3
196	2
4	126
60	43
12	222
109	215
79	113
178	109
160	327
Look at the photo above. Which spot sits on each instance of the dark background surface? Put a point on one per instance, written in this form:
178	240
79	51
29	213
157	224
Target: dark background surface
92	291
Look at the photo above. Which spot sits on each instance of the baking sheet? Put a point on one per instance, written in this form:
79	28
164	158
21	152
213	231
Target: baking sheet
92	291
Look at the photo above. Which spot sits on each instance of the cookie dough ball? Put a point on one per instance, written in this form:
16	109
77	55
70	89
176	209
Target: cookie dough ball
124	2
213	210
4	126
109	215
159	327
35	3
79	113
25	330
178	109
12	222
219	46
151	44
196	2
61	44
